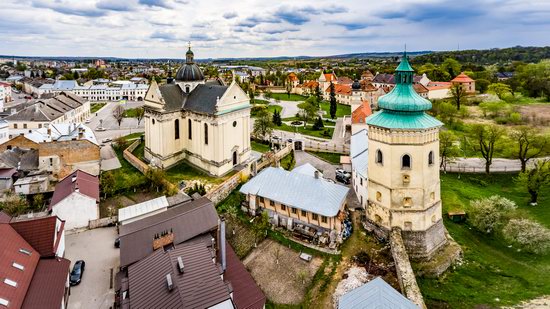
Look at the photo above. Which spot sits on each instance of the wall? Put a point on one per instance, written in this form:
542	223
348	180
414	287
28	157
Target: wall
133	160
103	222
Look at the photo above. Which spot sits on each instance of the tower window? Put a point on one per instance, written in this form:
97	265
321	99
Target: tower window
407	202
379	157
378	196
189	129
406	161
431	158
177	129
206	134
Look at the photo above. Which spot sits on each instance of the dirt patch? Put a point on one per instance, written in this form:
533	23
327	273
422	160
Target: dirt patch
239	236
284	282
536	114
537	303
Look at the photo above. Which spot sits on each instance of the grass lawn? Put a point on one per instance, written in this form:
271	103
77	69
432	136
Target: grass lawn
96	106
133	136
285	97
307	131
126	177
341	109
492	273
140	151
259	101
330	157
130	113
184	171
259	147
270	108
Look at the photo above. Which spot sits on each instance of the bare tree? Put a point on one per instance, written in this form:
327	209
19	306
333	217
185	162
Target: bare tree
487	137
118	114
458	95
529	144
140	113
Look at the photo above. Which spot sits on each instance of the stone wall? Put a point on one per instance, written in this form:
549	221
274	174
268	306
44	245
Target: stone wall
93	224
223	190
422	245
133	160
405	273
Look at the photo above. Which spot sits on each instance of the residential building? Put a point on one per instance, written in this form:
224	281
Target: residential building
464	81
293	80
385	79
297	199
32	185
5	94
4	131
359	157
76	200
63	108
24	161
204	123
61	149
242	76
502	76
359	117
325	79
100	90
307	88
373	295
6	178
34	272
439	90
403	169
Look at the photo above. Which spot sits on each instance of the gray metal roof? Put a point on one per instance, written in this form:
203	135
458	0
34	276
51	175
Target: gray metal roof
298	190
143	208
189	72
202	99
359	152
376	294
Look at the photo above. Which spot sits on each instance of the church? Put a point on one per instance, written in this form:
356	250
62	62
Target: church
204	123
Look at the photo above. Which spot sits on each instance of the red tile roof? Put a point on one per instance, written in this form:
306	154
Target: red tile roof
330	77
10	243
345	80
246	293
340	89
40	234
87	184
47	287
462	78
367	73
4	217
309	84
361	113
419	88
292	77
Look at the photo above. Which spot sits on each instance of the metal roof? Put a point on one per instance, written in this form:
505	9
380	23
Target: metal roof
141	209
404	98
359	152
306	169
374	295
298	190
405	121
62	132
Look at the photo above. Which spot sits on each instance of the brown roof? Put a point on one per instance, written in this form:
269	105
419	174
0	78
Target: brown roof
48	284
462	78
246	293
10	243
367	73
292	77
40	233
200	286
419	88
186	221
341	89
85	183
309	84
330	77
345	80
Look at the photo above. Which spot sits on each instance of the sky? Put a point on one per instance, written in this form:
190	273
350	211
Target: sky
264	28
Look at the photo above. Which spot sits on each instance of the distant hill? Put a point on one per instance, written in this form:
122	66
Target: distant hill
489	56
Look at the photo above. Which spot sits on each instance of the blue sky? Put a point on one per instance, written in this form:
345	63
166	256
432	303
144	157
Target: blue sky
251	28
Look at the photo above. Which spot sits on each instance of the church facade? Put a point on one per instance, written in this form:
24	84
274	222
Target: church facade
204	123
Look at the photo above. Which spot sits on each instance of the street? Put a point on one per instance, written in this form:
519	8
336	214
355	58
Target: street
106	119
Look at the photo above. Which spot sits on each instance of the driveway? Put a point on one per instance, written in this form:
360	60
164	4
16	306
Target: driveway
329	170
96	248
109	160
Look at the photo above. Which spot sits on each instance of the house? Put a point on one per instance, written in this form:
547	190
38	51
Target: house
6	178
34	272
359	157
359	116
464	81
4	131
297	199
24	161
61	149
32	185
385	79
373	295
141	210
439	90
502	76
293	80
5	94
76	199
421	90
325	79
307	88
206	124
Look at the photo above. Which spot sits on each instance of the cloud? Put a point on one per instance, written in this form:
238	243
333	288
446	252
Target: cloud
275	29
444	11
69	8
352	25
201	37
253	21
116	5
301	15
230	15
157	3
164	36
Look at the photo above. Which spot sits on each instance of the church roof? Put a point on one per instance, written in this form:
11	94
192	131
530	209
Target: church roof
403	120
202	99
189	72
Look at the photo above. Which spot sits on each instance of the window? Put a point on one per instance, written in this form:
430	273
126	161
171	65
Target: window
261	199
407	202
271	202
153	121
304	213
234	124
323	219
294	210
379	196
379	157
177	129
283	207
206	134
315	216
187	88
406	161
189	128
15	125
361	180
431	158
51	161
24	126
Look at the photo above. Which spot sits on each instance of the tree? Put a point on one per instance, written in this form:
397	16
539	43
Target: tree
458	95
318	125
489	214
75	75
263	126
451	66
333	105
118	114
288	89
482	85
500	89
260	227
277	118
529	144
488	137
140	113
535	179
308	110
528	235
38	201
318	94
32	74
107	183
251	94
268	94
447	149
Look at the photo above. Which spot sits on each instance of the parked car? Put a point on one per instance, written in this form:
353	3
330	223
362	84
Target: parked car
106	140
100	129
343	178
28	97
76	273
88	120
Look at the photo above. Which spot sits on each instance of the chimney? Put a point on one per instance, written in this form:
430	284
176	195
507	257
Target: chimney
180	264
169	283
222	243
317	174
80	135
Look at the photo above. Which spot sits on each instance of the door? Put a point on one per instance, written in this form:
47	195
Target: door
234	158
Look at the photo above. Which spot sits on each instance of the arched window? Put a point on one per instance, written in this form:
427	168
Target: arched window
406	161
187	88
206	134
379	157
177	128
189	128
431	158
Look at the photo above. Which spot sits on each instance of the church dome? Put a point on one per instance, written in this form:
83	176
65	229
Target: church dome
189	71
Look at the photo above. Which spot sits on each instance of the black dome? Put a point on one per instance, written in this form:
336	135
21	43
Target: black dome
189	72
356	85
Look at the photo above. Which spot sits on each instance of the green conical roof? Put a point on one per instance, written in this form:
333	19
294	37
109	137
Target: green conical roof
404	65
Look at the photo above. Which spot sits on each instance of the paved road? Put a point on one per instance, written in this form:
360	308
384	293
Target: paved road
290	108
477	165
109	160
106	119
329	170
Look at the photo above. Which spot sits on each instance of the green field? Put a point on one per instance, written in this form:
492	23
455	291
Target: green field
270	108
307	131
184	171
286	97
131	113
492	274
333	158
259	147
341	109
96	106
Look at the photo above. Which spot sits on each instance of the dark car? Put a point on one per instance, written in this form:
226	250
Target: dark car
343	178
76	274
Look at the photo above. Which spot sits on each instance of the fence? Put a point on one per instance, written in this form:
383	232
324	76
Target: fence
481	169
93	224
133	160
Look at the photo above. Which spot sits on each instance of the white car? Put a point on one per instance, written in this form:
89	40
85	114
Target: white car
88	121
100	129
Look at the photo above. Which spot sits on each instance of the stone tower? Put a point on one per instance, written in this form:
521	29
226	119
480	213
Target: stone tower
403	168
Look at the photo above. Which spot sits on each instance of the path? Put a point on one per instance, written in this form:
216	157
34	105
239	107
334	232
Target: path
302	157
290	108
109	160
128	125
477	165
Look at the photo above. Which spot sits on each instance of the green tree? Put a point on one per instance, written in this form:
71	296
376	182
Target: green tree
535	179
260	227
500	89
448	151
482	85
38	201
458	95
529	144
251	94
488	138
263	126
318	125
277	118
333	105
75	75
451	66
318	93
308	110
107	183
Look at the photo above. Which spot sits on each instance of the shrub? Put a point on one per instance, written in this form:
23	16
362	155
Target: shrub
488	214
197	188
528	235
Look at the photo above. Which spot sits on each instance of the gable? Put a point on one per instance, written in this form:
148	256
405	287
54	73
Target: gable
153	97
233	99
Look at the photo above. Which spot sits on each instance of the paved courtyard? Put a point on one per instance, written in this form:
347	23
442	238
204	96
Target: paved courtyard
96	248
329	170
